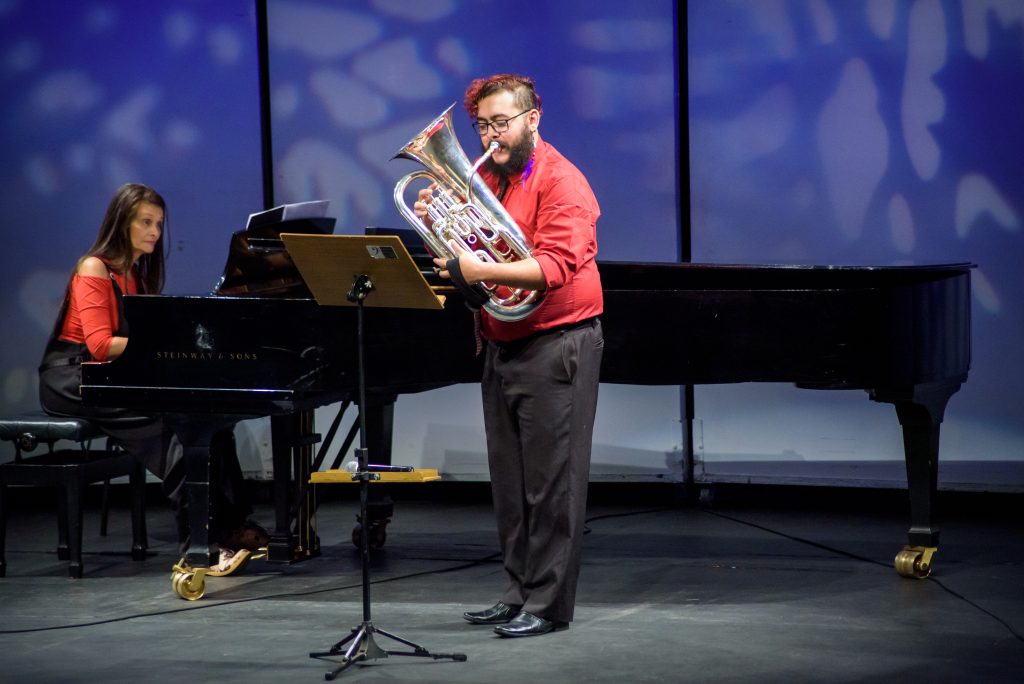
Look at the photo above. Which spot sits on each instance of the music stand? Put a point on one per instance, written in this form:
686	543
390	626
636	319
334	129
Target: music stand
377	264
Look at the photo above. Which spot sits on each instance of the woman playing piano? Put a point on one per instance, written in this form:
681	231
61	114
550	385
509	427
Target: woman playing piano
128	258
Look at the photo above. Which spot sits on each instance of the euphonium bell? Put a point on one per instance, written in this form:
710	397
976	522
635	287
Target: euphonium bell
465	211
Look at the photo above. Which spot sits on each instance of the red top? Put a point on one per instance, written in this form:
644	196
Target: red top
555	208
92	312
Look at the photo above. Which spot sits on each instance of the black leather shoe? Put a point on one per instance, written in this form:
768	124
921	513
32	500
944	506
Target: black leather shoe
498	614
527	624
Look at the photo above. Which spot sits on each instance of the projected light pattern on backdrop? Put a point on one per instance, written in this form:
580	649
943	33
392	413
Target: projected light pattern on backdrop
352	83
106	93
166	93
875	132
822	132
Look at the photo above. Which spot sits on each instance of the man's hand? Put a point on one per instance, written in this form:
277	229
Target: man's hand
525	273
471	265
423	200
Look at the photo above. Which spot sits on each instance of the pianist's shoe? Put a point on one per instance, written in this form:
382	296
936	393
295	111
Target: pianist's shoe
231	562
249	535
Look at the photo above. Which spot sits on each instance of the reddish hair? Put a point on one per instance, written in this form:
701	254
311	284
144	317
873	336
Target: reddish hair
522	89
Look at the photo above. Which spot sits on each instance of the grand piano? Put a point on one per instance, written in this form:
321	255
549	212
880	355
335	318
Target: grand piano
260	346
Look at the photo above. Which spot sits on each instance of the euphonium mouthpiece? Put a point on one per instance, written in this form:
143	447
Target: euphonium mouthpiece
491	149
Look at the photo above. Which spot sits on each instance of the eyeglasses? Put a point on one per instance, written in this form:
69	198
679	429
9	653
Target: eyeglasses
499	126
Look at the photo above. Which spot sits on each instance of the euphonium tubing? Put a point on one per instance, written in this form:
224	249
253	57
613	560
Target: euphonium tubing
465	211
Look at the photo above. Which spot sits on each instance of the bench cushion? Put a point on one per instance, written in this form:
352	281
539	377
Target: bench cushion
46	428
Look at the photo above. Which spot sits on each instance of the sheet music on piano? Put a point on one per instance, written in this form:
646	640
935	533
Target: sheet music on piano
258	263
314	209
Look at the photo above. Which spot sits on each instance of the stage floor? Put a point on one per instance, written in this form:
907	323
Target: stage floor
776	589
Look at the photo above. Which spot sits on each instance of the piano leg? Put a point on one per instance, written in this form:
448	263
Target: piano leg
195	432
920	411
380	420
292	439
189	577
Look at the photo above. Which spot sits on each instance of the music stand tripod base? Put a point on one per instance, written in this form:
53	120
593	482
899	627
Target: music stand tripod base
359	645
384	268
362	647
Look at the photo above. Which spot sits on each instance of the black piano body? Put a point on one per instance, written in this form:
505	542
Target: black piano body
208	362
261	346
901	333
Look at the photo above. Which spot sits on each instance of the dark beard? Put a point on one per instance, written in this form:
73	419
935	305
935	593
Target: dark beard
519	155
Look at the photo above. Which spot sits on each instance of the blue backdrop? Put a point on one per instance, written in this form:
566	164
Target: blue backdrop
351	86
867	133
819	132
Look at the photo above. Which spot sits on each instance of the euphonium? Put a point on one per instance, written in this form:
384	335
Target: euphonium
465	211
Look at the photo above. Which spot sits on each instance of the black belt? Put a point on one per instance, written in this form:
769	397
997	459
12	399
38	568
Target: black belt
67	361
585	323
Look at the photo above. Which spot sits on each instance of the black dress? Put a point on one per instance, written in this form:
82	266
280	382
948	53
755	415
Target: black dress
147	437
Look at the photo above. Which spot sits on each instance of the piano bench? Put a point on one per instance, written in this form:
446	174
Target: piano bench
69	470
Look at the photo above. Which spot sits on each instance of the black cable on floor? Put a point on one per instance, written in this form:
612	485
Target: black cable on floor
231	602
586	528
800	540
493	556
203	606
1017	635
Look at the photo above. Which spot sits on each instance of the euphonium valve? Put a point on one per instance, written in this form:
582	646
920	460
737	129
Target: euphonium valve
463	210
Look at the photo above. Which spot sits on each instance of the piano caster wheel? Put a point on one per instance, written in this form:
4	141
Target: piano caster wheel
378	534
915	561
187	583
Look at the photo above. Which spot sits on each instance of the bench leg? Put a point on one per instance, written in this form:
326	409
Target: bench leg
140	540
104	508
62	523
73	494
3	529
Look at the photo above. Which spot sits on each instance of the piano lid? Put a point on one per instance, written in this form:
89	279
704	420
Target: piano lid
258	264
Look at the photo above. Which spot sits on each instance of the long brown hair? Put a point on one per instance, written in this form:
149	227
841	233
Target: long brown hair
114	242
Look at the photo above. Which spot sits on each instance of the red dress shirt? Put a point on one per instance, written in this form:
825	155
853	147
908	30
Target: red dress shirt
555	208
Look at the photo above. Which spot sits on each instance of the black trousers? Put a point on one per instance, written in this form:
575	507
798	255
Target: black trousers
539	400
148	438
